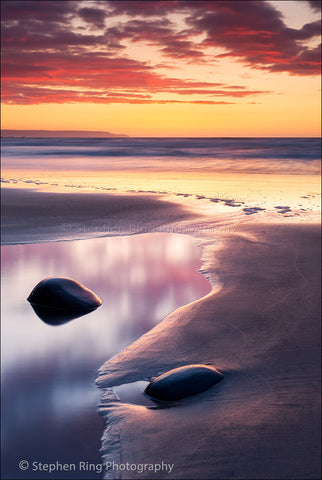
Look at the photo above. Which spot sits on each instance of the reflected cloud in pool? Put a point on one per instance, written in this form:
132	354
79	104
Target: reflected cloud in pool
49	399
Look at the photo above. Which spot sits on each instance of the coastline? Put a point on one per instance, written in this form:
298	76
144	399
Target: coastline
260	326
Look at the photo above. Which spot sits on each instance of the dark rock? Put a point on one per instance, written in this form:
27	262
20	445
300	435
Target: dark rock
58	300
182	382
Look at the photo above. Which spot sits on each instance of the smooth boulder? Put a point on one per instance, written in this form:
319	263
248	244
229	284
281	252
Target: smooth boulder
57	300
182	382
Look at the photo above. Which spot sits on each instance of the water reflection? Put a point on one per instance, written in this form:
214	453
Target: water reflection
49	399
53	316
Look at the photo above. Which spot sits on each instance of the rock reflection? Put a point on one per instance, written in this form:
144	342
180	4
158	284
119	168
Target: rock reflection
54	316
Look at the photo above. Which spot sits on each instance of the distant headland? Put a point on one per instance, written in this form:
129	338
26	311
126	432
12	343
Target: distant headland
57	133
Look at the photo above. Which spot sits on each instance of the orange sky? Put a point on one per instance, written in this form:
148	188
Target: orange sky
174	68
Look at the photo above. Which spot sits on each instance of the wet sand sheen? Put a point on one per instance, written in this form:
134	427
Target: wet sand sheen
260	328
48	216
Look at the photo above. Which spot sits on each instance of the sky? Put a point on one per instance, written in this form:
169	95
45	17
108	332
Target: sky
163	68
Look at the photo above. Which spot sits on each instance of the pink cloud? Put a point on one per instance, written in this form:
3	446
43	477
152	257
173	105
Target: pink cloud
35	95
106	75
42	50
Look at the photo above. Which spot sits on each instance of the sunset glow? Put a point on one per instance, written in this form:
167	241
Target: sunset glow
162	68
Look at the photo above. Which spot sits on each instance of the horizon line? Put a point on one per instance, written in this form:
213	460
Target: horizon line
122	135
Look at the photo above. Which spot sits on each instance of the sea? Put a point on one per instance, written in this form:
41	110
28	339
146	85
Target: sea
256	155
256	172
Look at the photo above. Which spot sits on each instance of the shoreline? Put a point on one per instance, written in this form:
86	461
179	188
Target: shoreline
57	215
48	216
260	326
261	329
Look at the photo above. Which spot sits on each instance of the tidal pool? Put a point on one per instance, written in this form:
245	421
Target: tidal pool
49	400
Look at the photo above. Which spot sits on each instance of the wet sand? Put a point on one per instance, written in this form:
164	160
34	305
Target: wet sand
31	216
262	330
260	326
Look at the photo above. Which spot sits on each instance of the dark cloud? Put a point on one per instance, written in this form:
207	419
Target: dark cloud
15	38
251	30
315	5
94	16
160	33
49	55
308	60
145	8
47	11
254	32
309	30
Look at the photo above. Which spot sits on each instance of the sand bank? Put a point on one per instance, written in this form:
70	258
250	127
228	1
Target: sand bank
262	330
32	216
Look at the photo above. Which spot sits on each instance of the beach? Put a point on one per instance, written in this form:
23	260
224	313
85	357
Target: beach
161	240
259	326
262	331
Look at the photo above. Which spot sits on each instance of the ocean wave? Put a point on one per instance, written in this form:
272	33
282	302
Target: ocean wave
274	155
227	148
